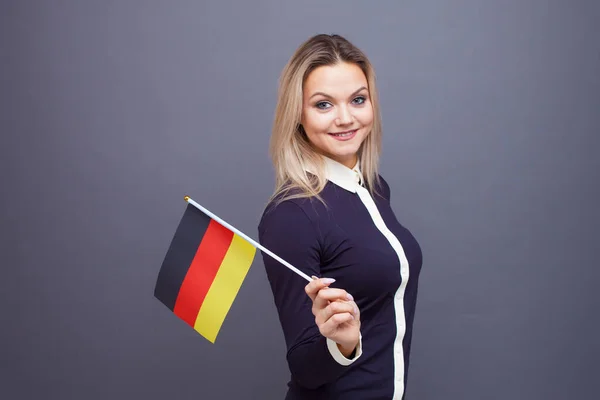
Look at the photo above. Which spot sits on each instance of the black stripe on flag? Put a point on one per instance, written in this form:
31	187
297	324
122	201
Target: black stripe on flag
179	257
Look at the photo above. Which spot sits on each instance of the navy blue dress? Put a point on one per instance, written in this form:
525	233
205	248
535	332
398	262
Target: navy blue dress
357	240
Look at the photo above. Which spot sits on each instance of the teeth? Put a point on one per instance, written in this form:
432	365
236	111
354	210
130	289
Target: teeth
343	134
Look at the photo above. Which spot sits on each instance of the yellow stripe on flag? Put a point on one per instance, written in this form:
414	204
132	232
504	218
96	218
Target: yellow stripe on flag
224	288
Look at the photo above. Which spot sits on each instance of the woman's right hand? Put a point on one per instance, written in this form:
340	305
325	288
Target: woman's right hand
336	314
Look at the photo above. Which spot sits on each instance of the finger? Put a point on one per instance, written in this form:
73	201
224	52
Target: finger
336	307
355	310
332	323
324	297
313	287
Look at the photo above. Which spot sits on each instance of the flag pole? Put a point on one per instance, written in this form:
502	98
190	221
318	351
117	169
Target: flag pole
256	244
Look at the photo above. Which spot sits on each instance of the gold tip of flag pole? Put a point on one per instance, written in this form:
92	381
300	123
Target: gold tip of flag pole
186	198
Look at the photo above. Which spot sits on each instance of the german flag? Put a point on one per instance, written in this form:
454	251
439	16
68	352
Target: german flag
203	271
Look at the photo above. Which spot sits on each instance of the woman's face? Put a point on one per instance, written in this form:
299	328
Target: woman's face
337	114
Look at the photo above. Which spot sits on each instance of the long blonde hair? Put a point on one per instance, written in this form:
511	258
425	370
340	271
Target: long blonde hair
290	150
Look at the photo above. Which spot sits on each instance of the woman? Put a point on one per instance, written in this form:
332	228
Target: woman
330	217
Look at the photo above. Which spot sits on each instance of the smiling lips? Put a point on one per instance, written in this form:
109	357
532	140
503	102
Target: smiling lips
346	135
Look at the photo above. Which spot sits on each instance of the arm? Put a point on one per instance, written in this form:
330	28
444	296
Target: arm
314	360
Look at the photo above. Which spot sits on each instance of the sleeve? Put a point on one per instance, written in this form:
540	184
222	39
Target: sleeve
313	359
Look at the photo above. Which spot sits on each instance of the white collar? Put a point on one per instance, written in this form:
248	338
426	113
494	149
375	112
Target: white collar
343	176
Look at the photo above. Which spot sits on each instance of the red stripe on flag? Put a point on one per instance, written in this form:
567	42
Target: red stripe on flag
202	271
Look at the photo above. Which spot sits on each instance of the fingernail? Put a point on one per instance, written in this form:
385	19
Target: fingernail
314	277
349	296
327	281
355	310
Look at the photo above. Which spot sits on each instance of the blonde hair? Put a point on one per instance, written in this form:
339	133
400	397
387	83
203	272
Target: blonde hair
290	151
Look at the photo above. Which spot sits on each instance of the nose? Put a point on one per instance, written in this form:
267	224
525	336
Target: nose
344	116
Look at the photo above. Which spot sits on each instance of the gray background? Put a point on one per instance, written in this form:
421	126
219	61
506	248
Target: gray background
112	111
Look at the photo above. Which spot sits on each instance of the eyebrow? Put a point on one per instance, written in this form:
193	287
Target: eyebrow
328	96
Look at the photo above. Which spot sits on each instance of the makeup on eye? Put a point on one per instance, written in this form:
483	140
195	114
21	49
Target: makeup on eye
322	105
362	98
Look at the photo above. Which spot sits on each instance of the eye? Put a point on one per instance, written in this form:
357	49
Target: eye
359	100
322	105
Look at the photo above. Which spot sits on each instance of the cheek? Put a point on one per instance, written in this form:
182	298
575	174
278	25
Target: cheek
315	122
365	116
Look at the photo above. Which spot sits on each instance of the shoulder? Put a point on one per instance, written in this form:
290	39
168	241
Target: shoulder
289	225
294	212
289	208
383	188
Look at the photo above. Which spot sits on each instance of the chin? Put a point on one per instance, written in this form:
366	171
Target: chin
347	154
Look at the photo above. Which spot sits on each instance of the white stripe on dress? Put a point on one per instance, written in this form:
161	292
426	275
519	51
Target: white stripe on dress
367	200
